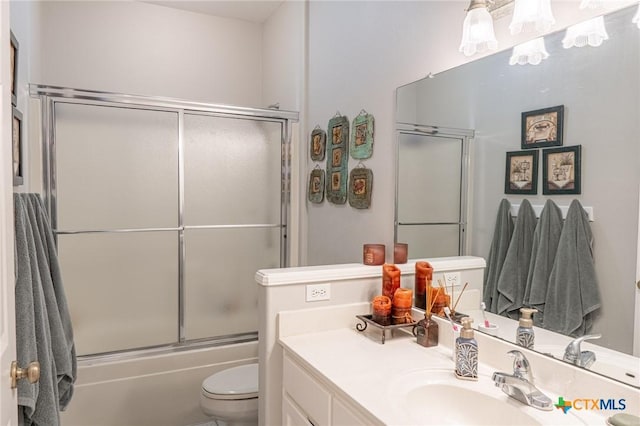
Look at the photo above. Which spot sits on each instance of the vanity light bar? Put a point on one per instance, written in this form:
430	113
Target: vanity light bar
538	209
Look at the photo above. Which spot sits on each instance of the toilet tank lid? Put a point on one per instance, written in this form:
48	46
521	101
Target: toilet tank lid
241	380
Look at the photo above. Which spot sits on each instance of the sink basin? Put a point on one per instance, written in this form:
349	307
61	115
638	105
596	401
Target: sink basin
437	397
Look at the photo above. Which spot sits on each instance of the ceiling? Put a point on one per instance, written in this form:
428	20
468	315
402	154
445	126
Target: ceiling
248	10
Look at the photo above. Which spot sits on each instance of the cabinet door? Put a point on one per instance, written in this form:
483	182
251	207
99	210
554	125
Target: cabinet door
292	415
343	415
307	392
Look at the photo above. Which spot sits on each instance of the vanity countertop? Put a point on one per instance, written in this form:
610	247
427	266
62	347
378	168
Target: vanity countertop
371	374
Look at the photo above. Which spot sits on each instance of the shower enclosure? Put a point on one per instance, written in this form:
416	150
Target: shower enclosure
163	211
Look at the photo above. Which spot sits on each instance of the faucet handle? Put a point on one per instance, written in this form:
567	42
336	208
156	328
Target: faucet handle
521	366
572	352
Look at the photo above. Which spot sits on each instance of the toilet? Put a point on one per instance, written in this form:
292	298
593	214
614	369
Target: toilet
231	396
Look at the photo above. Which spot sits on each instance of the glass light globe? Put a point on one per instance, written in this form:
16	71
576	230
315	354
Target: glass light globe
477	32
532	52
591	4
532	13
591	32
636	18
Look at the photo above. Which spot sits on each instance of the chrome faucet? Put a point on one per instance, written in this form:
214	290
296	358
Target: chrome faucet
574	355
519	385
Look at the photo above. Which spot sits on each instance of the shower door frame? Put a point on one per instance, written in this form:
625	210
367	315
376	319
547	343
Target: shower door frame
49	96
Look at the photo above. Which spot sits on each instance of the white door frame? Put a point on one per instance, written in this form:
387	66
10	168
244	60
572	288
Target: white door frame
636	321
8	396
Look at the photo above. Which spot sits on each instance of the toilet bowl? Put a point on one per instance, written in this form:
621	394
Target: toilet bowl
231	395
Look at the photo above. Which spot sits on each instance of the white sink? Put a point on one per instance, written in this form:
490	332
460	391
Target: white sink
437	397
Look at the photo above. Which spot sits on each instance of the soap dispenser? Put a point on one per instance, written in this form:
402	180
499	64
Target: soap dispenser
525	334
466	351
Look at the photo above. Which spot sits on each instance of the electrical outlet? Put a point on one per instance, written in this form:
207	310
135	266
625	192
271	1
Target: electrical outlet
452	279
317	292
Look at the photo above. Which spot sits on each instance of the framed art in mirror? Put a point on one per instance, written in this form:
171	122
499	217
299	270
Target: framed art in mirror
561	170
14	70
542	127
521	176
316	186
318	144
16	144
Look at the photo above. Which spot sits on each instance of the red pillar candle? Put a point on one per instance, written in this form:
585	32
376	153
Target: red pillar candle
381	306
424	273
402	298
390	280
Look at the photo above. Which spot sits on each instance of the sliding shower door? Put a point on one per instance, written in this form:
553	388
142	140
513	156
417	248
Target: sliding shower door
163	218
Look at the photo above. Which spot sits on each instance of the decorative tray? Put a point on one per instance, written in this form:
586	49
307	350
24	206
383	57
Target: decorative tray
368	319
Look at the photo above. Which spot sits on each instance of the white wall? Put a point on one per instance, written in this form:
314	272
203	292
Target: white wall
139	48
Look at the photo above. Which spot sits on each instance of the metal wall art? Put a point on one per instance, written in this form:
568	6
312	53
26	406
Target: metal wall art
361	146
338	155
360	185
318	144
316	186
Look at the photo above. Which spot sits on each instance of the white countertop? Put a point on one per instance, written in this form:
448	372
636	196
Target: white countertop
372	374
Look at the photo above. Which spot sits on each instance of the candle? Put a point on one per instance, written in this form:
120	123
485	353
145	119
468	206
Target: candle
402	298
390	280
400	253
381	306
373	254
424	274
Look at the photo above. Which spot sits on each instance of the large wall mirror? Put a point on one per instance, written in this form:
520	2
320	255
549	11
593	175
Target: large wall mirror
599	88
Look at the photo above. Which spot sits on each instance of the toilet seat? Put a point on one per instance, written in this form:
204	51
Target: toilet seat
233	383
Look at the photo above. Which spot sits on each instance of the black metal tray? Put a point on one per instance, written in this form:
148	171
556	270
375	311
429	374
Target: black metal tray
368	319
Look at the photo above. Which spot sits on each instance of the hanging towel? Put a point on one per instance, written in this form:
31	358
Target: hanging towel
573	295
41	312
543	254
499	245
513	277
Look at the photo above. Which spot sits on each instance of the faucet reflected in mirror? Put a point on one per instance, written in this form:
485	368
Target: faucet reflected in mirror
491	112
574	355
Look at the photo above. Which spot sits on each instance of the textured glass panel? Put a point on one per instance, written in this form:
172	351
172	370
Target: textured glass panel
221	291
429	179
232	171
121	288
116	168
430	240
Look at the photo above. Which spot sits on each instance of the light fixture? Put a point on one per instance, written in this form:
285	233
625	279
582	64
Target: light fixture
531	13
477	30
532	52
591	4
636	18
591	32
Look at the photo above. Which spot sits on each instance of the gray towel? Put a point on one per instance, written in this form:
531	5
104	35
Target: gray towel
573	295
513	277
41	313
499	245
543	254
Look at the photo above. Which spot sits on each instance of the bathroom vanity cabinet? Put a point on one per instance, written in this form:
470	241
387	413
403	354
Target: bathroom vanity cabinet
308	400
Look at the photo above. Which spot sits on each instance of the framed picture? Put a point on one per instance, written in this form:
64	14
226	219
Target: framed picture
16	142
542	127
14	70
337	157
561	170
521	176
318	144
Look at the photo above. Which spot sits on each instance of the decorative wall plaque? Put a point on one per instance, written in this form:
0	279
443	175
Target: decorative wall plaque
360	185
361	145
337	157
318	144
316	186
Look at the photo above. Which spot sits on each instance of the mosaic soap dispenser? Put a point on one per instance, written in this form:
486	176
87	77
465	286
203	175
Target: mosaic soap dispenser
525	334
466	352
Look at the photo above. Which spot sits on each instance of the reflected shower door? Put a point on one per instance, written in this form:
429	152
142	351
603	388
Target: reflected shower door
430	194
